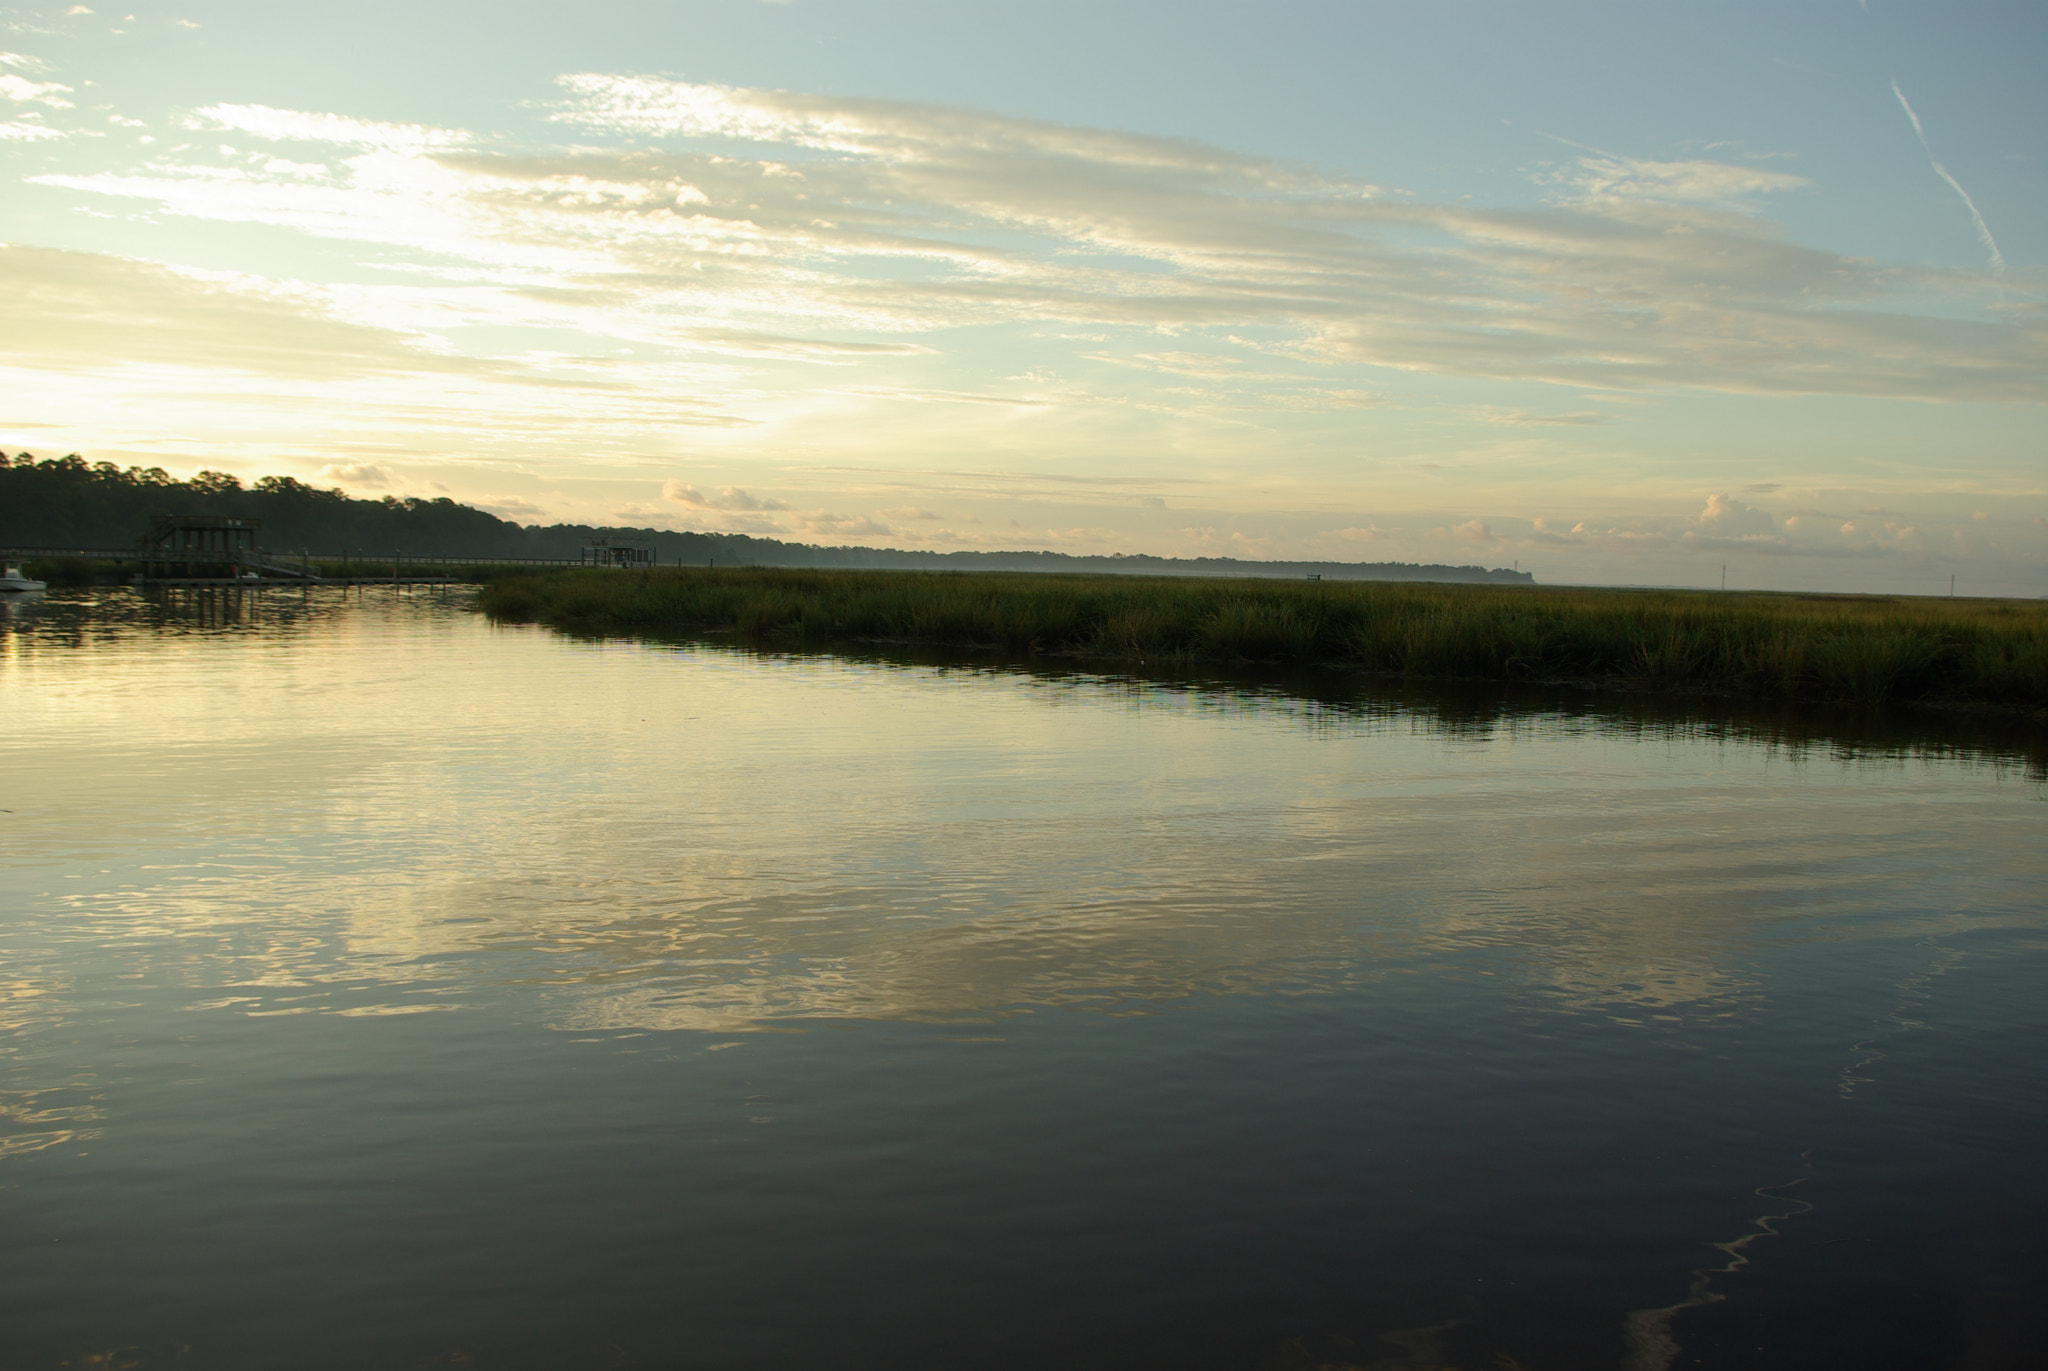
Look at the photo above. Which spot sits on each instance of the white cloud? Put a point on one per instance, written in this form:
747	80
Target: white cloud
768	244
359	475
1584	418
298	126
728	498
1605	176
1727	515
1046	305
78	311
22	90
823	523
513	507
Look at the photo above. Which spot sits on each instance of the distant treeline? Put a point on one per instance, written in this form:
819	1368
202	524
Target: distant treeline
69	502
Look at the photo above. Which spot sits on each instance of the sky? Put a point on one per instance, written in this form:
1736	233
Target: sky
1617	293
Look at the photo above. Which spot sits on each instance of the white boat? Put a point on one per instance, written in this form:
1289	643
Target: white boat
14	580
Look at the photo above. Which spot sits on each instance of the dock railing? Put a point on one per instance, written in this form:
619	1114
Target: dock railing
352	567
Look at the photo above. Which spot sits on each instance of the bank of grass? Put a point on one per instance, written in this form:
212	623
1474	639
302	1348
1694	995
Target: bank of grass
1843	649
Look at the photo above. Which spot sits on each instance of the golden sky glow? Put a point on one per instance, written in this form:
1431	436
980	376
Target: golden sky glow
612	296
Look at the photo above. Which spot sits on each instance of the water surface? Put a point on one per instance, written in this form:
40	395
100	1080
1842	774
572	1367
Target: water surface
379	987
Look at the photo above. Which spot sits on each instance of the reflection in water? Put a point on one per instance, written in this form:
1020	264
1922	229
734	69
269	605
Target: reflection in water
1474	712
1437	978
1898	1020
31	1120
1651	1345
20	606
703	884
1415	1349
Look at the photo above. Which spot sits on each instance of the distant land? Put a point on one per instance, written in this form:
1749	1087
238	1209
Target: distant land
65	502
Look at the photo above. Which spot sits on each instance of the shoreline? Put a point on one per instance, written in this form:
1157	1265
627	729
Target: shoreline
1976	656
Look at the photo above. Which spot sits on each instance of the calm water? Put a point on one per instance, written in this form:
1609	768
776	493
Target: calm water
380	988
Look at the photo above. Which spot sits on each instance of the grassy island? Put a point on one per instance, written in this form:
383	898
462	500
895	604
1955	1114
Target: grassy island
1833	648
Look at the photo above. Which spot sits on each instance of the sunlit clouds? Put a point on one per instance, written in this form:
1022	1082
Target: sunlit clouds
896	220
870	320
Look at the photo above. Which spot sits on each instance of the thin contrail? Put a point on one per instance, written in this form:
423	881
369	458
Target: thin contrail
1983	229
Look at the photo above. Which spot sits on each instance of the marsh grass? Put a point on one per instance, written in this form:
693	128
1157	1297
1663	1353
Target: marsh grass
1836	648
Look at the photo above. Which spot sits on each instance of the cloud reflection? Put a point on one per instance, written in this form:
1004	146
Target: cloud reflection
715	840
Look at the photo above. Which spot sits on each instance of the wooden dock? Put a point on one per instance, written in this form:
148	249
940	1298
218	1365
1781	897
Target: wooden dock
230	566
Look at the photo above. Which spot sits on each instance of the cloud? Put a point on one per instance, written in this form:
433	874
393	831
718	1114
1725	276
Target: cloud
930	255
1727	515
359	475
885	130
1983	229
743	344
22	90
283	125
1584	418
1474	531
728	498
513	508
162	356
773	213
1736	530
824	523
72	311
1607	176
910	514
952	397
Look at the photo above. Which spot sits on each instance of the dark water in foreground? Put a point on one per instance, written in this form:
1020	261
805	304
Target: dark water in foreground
379	988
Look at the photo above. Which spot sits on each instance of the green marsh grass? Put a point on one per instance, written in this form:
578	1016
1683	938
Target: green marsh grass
1837	648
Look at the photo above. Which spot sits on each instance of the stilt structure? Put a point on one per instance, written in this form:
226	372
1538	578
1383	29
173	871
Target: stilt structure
630	553
211	547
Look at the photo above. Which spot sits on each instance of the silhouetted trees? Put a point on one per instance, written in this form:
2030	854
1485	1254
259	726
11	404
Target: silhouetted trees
69	502
66	501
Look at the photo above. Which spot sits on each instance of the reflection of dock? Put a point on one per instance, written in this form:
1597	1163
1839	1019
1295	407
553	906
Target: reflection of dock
257	582
276	604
